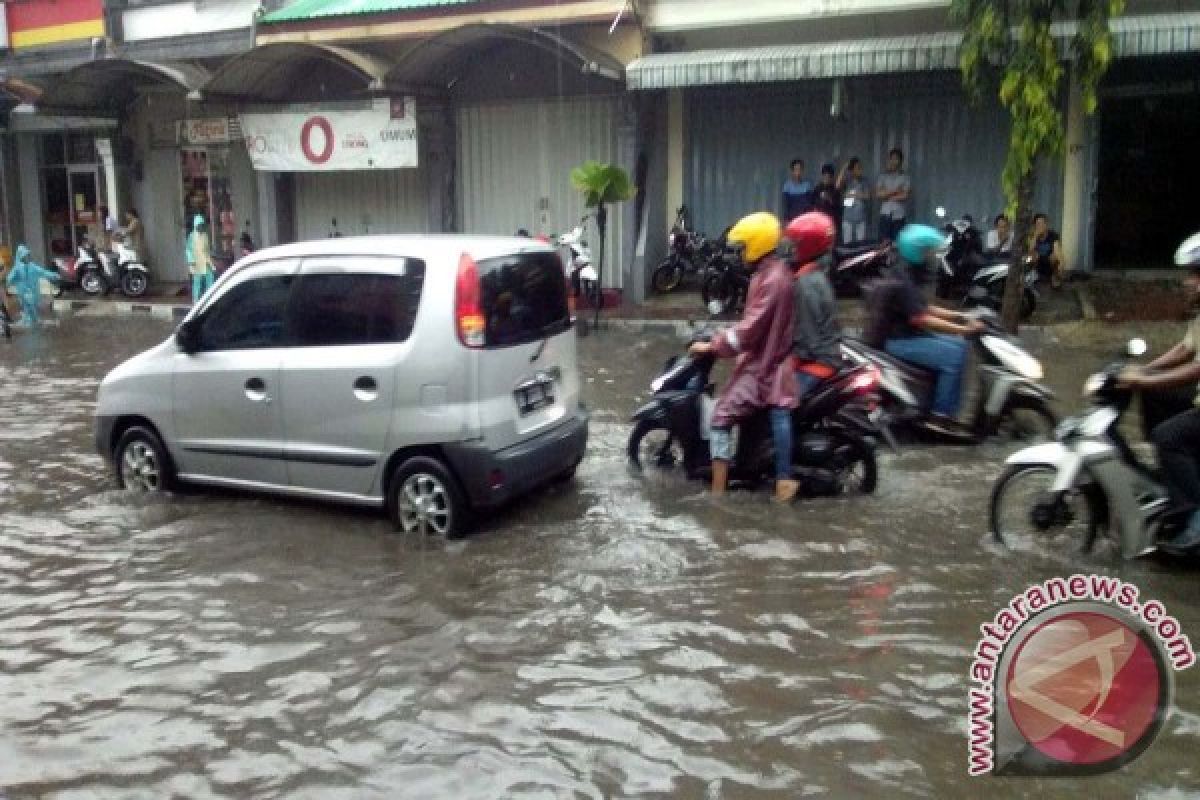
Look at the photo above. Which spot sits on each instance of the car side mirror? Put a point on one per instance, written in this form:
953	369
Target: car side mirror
187	337
1135	348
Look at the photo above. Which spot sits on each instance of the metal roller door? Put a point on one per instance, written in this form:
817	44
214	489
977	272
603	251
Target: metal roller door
362	202
740	142
514	167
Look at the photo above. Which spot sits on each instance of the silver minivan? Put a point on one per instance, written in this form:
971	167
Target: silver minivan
430	375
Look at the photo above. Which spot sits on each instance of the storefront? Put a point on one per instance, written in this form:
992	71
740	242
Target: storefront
354	167
207	161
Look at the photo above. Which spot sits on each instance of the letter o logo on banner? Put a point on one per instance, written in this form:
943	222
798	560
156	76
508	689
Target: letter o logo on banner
306	140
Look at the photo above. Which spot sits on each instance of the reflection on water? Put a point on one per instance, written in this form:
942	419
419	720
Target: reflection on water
618	637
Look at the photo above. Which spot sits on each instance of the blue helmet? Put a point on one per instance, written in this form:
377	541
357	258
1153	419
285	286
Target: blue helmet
915	241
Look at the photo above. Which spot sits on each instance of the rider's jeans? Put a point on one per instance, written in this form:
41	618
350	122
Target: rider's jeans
781	429
941	352
1178	443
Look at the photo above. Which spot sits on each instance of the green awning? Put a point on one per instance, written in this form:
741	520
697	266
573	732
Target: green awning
308	10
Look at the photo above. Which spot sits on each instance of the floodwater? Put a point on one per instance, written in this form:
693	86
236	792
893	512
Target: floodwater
617	637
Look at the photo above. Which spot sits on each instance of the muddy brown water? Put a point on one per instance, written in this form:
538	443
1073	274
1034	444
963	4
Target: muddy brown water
618	637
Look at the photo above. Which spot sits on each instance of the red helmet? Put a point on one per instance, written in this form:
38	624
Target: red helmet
812	236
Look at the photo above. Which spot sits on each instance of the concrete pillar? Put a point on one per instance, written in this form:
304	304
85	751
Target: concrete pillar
1077	206
675	154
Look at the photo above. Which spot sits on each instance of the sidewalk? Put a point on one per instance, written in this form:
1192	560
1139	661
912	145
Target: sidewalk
163	300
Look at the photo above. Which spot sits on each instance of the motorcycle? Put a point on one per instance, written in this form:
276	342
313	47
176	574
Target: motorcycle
726	279
833	450
688	252
1090	478
99	273
1011	397
853	265
964	256
987	288
580	272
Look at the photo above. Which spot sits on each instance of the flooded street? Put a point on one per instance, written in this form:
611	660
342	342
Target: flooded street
620	636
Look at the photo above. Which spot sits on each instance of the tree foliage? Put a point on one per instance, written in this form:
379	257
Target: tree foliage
1013	48
601	186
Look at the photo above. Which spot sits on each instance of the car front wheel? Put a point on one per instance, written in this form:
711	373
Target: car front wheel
142	462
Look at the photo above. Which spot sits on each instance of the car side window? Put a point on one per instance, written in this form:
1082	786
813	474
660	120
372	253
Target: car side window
347	308
249	316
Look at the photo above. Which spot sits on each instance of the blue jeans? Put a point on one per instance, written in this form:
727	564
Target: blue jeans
781	429
941	352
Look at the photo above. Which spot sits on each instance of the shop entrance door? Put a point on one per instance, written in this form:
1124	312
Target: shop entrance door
85	197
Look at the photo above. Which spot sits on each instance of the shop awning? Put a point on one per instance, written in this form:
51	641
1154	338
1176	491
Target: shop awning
1155	34
108	85
426	63
273	73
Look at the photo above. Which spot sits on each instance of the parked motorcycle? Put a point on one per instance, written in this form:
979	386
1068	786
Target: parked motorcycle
578	262
99	272
852	266
832	453
688	253
987	288
964	256
726	279
1088	481
1011	398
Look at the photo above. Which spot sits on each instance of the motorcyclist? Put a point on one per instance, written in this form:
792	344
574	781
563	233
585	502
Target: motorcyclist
911	329
815	331
1177	440
26	279
761	341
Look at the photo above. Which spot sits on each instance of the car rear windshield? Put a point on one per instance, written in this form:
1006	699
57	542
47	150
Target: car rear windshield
524	298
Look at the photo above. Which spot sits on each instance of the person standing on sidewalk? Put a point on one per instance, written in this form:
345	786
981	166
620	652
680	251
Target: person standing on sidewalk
857	195
797	192
199	258
893	189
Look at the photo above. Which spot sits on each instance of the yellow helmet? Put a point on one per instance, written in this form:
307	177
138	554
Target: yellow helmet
758	234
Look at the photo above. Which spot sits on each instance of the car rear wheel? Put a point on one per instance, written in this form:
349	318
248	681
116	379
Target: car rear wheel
424	498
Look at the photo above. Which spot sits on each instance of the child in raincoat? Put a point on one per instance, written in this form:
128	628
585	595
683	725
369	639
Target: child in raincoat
26	280
198	252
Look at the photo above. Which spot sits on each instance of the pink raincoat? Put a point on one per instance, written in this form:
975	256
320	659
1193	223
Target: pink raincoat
762	342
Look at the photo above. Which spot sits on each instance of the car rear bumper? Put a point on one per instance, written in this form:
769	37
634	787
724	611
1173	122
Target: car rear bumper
491	477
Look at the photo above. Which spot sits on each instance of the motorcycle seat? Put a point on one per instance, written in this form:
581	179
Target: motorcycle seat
904	367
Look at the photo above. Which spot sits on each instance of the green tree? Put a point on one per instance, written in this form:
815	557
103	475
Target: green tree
601	185
1009	47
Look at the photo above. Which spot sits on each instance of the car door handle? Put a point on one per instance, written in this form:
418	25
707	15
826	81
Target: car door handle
366	389
256	390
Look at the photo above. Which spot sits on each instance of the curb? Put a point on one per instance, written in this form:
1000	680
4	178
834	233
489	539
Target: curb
156	310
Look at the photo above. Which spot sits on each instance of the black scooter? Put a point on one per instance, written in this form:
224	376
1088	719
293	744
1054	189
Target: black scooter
833	451
851	266
689	252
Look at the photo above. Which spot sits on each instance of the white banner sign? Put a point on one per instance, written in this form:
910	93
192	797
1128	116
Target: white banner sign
204	131
382	137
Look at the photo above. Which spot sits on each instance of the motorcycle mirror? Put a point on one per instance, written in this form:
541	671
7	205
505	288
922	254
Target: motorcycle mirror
1136	347
940	212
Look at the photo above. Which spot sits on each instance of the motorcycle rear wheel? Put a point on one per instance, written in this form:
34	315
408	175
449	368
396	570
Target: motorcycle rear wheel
1070	523
858	469
134	283
668	275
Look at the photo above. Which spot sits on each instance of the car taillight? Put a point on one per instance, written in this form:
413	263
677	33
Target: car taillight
468	310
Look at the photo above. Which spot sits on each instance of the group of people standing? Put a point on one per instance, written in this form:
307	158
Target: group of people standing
845	195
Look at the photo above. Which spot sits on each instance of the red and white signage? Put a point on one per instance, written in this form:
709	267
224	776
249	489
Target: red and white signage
381	137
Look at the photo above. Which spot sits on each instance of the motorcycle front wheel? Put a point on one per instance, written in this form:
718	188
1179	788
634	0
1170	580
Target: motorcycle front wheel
718	294
651	444
668	275
1025	512
92	282
134	283
1028	422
